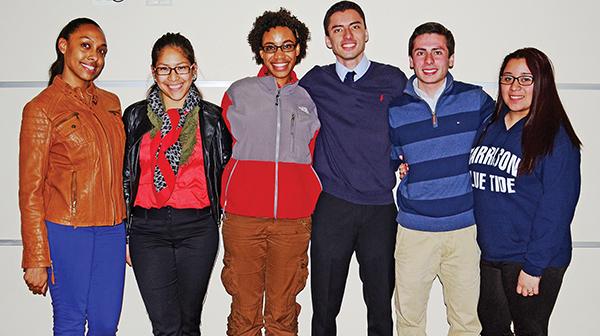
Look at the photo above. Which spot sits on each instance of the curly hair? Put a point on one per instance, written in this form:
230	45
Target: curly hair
281	18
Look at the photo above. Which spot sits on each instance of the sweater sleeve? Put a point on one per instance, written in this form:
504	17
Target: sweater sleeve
395	156
487	107
561	180
397	150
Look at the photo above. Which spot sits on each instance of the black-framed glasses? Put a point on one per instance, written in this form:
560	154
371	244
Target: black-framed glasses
164	70
525	80
272	48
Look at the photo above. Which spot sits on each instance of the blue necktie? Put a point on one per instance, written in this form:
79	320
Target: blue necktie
349	79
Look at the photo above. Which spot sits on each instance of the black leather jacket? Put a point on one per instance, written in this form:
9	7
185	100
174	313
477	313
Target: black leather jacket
216	145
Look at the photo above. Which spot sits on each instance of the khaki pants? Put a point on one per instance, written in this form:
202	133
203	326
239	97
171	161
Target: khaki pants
452	256
264	257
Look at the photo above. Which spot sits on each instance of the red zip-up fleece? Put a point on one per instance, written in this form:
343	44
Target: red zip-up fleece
270	173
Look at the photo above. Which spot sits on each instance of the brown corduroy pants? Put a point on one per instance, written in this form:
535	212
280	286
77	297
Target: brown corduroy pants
264	258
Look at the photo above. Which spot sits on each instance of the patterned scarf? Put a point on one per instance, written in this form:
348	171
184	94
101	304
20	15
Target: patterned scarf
176	141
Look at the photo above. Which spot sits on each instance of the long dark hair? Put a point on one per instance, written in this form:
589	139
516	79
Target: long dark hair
58	66
546	114
173	40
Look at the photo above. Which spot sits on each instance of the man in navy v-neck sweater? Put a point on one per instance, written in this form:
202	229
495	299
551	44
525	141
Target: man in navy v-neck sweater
356	210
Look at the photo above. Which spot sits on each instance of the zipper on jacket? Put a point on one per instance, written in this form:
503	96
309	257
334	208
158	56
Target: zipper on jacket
131	201
110	170
277	140
73	195
293	130
227	185
434	119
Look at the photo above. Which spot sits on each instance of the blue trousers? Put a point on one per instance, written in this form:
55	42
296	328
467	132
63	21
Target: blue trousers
86	278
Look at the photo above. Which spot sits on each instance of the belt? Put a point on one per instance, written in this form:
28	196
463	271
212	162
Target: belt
166	212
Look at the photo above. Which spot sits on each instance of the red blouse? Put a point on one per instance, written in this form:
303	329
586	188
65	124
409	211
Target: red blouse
190	187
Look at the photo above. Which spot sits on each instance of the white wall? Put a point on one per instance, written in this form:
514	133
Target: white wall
485	31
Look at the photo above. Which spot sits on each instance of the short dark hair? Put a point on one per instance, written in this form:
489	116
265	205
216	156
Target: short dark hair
281	18
432	28
340	7
173	40
58	65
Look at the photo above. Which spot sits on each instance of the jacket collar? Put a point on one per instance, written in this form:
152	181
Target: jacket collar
88	96
269	82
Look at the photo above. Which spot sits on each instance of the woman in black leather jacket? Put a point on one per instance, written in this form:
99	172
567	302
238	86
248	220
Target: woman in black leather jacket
177	145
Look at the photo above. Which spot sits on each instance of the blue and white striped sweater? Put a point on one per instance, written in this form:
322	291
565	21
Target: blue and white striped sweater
436	195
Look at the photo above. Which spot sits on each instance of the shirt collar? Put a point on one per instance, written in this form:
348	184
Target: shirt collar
360	69
424	94
431	101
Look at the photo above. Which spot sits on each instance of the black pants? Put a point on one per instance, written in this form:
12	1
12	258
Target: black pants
500	304
173	253
339	229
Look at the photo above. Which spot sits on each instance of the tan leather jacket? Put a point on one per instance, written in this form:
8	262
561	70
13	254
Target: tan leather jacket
70	164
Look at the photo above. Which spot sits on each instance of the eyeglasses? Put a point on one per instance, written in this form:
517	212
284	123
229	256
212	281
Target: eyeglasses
272	48
165	70
525	80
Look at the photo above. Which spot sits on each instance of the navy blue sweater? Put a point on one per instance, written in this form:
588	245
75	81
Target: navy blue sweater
436	194
524	218
352	149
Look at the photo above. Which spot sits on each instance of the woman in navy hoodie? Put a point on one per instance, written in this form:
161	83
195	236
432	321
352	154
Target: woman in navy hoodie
526	181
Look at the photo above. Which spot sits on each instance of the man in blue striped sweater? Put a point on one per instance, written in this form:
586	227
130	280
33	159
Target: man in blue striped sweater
433	125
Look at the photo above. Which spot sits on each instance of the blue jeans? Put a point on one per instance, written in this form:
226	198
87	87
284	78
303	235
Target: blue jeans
86	278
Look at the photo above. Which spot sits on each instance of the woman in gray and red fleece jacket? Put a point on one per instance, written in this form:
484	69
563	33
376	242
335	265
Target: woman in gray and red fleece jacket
269	188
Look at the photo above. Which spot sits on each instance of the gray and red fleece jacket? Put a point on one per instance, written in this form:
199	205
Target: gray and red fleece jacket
270	174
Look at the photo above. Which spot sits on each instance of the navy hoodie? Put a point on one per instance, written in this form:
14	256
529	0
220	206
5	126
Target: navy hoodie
524	218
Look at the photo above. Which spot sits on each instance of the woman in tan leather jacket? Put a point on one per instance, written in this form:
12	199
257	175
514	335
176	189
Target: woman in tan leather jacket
70	188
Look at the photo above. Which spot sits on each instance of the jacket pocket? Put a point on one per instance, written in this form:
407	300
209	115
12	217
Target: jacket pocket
227	184
71	130
300	129
73	194
292	132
